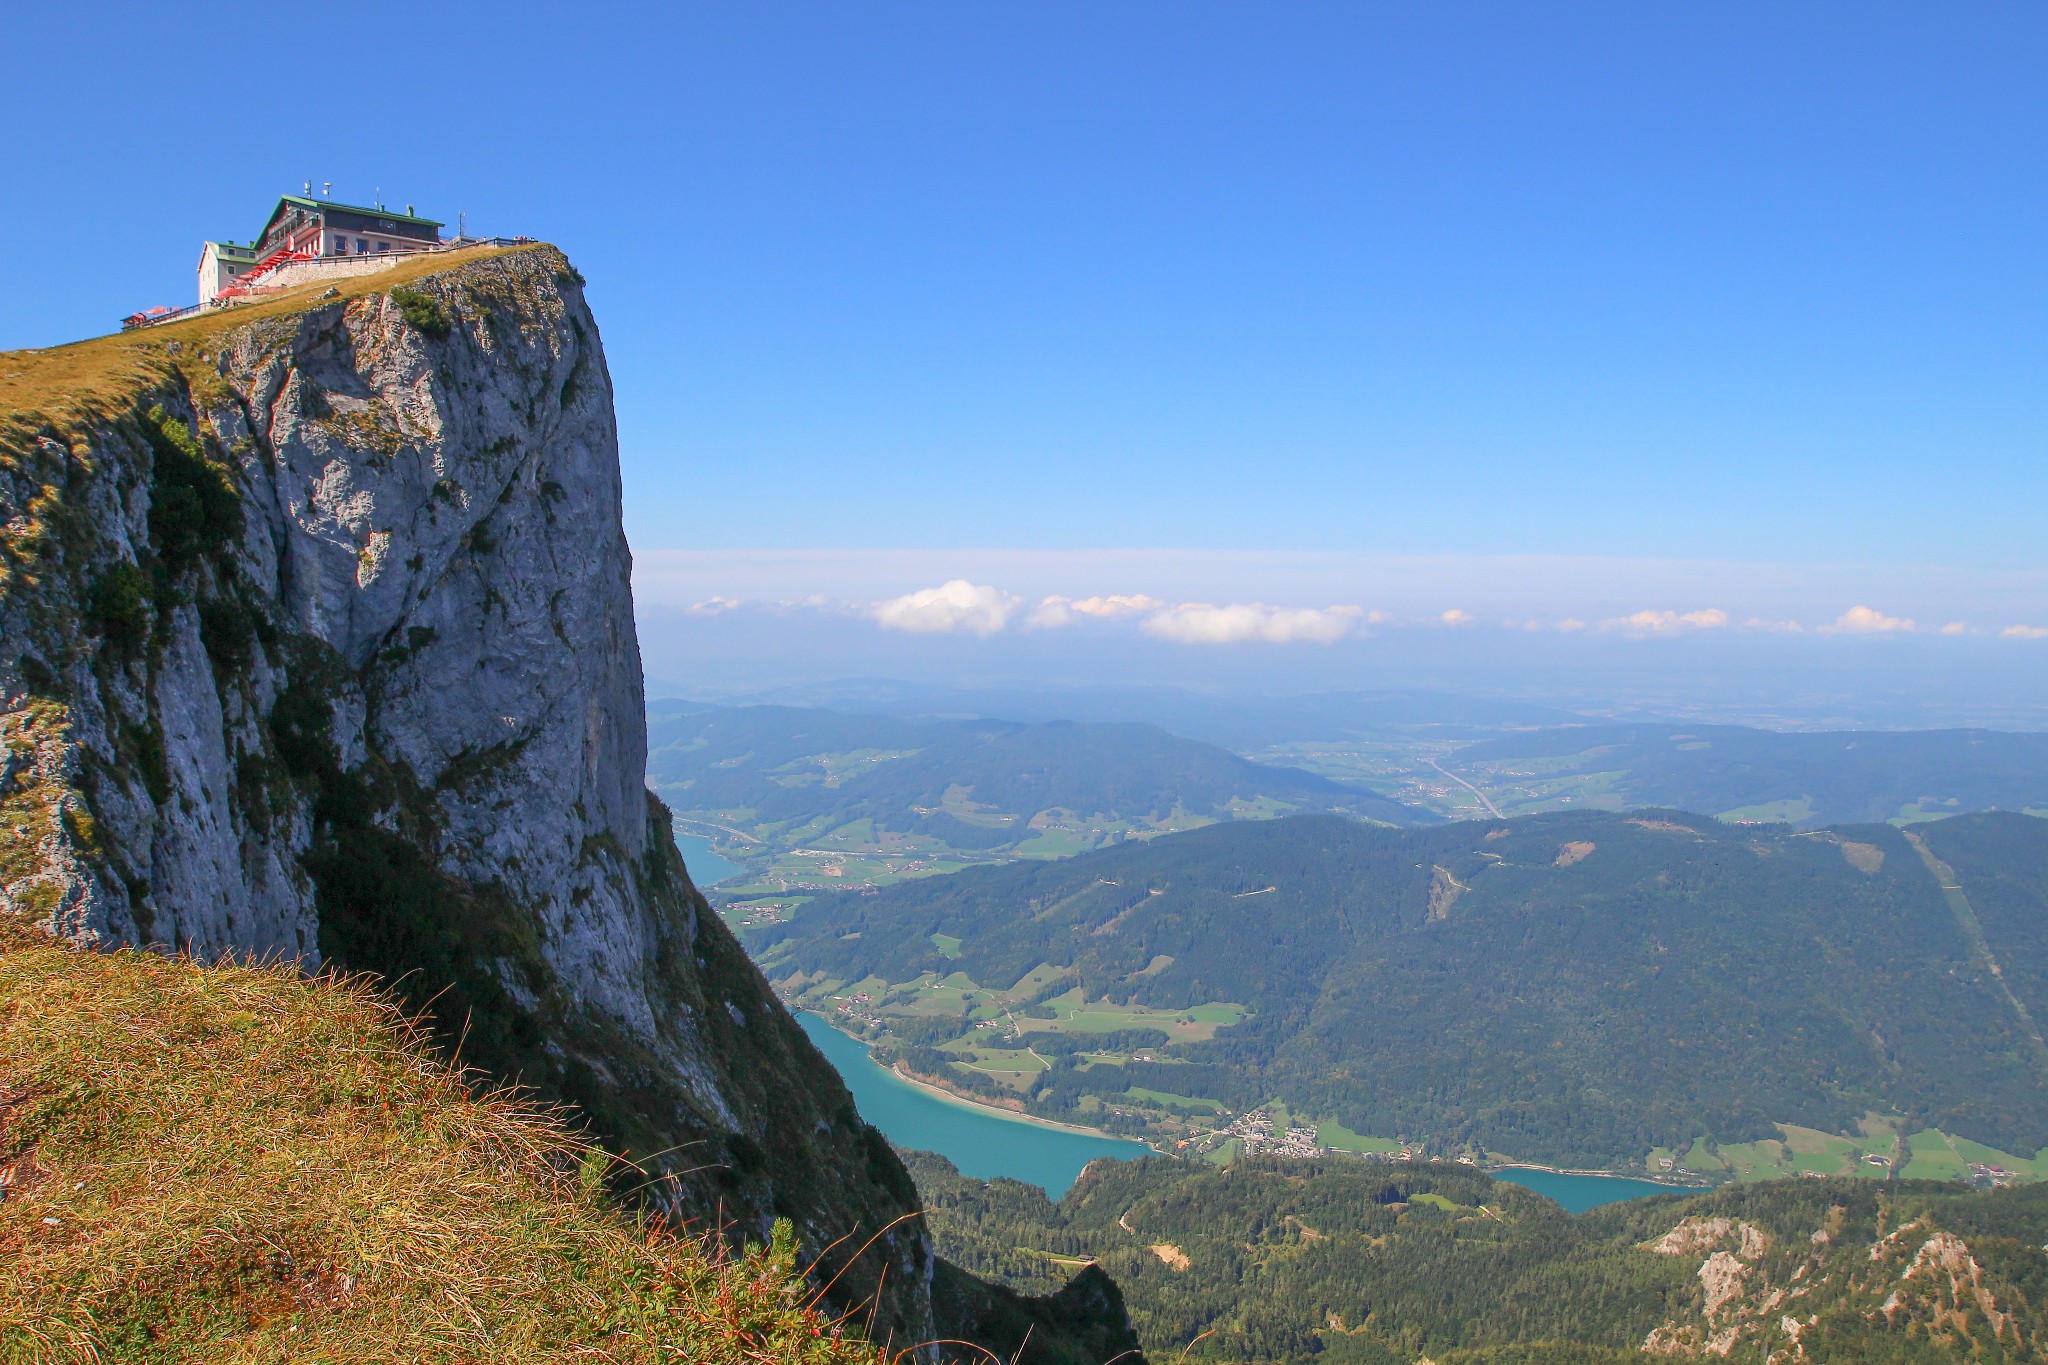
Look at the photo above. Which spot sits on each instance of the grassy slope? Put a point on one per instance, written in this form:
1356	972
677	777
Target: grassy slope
235	1163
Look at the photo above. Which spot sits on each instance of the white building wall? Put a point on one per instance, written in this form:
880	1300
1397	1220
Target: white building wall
215	274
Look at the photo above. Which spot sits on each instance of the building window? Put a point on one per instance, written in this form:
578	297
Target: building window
341	246
383	246
362	247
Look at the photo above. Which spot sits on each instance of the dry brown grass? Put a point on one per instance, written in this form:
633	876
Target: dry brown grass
234	1163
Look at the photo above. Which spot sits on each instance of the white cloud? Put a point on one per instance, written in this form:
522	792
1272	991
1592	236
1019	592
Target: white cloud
1774	627
957	605
2025	632
1956	628
1200	623
1065	611
1860	620
1455	617
714	606
1570	625
1667	622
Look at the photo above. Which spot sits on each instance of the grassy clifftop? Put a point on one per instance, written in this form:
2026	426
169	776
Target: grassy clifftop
79	378
236	1163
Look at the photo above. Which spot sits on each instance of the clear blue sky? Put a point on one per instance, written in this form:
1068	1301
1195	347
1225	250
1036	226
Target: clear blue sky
1740	281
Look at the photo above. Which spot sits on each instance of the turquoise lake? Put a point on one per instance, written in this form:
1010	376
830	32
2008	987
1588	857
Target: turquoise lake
984	1144
1581	1192
706	867
981	1142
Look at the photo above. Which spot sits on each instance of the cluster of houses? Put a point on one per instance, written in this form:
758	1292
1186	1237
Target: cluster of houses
1257	1132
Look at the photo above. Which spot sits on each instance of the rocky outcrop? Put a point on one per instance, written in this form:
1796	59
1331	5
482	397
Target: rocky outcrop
1826	1296
319	643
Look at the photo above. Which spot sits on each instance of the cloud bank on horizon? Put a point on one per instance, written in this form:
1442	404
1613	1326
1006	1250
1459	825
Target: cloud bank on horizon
961	606
1238	601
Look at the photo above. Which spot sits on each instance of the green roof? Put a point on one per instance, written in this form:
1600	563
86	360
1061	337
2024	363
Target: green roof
372	211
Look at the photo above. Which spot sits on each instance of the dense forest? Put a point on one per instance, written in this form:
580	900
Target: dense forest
1576	988
1383	1263
1813	779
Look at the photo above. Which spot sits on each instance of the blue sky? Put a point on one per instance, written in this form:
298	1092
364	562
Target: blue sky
1707	284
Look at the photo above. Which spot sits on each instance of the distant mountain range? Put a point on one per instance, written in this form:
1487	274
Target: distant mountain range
1803	779
1419	748
1233	721
1575	987
805	790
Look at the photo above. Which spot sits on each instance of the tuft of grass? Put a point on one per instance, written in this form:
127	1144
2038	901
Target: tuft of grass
236	1163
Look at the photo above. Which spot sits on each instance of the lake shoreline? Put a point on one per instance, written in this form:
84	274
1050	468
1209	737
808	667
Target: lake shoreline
941	1092
931	1087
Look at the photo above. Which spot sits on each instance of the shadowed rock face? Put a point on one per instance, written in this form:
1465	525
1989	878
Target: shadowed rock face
319	642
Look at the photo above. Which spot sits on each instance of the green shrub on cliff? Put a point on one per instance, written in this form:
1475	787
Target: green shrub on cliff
118	604
423	311
194	506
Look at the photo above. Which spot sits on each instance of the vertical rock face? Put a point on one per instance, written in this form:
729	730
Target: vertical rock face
319	642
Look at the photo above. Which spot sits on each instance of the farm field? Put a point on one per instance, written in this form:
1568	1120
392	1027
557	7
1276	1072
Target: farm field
1008	1038
818	856
1928	1154
1738	774
1407	772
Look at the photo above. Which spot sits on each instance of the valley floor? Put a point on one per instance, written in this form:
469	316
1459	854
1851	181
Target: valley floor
996	1064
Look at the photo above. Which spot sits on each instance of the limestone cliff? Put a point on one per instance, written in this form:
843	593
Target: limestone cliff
318	641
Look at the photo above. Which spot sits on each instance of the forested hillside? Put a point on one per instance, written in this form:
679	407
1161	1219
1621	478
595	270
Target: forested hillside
1577	988
791	792
1807	780
1380	1263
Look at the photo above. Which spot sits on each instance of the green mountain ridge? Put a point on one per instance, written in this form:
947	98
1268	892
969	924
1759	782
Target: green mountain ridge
1575	988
